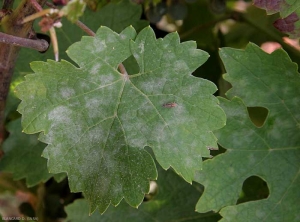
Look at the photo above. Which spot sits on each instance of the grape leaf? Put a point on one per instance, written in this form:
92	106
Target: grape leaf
74	9
289	11
23	156
97	120
118	15
174	200
285	7
290	24
121	14
270	152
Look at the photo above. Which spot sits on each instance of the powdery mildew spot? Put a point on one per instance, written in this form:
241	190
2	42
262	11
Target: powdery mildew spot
122	36
84	86
59	115
95	134
92	107
142	47
170	57
181	66
137	56
251	158
95	68
189	162
67	92
106	78
99	45
111	38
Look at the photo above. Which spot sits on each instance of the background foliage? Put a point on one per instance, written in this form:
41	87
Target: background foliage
172	120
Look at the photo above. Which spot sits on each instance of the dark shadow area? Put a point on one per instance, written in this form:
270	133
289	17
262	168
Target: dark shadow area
254	188
215	151
258	115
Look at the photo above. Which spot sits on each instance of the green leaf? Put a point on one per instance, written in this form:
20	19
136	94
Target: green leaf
97	120
122	14
59	177
174	201
70	33
118	15
206	38
23	156
270	152
74	9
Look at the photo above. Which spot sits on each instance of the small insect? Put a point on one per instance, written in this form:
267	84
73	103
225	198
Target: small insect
170	105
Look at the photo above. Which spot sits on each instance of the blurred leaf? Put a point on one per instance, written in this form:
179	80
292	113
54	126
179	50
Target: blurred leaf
257	27
117	16
74	9
9	205
289	11
8	184
198	26
285	7
240	33
22	156
289	25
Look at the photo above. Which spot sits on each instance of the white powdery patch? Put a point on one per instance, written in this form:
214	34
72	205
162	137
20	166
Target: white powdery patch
170	57
164	135
189	162
146	107
136	56
194	52
95	134
159	130
147	86
251	158
106	78
67	92
91	103
92	106
85	86
142	46
180	66
59	115
99	45
137	141
111	38
95	68
122	36
89	48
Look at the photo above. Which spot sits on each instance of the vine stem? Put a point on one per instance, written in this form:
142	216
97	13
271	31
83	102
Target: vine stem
40	14
123	70
40	202
85	28
36	5
37	44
